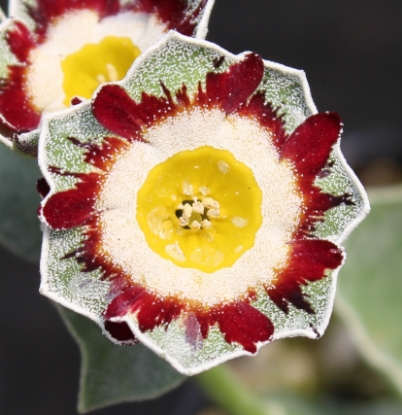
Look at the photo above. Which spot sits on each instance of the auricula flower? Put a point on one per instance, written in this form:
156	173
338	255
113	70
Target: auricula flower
198	205
53	52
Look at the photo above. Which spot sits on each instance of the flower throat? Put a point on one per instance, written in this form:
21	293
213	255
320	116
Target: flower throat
97	63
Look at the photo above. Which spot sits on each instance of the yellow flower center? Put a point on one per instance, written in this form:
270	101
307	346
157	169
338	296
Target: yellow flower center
95	64
200	209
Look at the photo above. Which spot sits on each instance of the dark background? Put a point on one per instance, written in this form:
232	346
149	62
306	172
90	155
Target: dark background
351	51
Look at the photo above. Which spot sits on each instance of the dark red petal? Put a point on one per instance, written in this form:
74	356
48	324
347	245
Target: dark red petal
309	148
76	101
119	113
267	117
20	40
74	207
309	259
115	110
45	11
15	106
173	13
232	88
316	203
100	155
151	310
310	145
240	323
121	332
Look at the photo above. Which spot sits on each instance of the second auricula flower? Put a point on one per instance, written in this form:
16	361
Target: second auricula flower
197	206
54	52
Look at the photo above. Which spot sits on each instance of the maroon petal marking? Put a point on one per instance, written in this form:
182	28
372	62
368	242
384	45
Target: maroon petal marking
240	323
121	332
309	148
15	105
182	97
76	101
20	40
115	110
267	117
173	13
152	311
316	203
232	88
309	259
100	155
310	145
74	207
119	113
45	11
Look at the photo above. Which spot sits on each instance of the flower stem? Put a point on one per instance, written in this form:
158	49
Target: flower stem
229	394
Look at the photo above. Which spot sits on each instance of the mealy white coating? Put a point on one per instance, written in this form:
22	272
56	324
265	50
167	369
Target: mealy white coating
124	241
68	35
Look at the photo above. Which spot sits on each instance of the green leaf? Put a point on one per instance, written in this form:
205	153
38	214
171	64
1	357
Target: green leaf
19	200
112	374
370	286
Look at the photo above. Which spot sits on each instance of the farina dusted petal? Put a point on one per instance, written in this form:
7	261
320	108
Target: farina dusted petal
202	206
54	53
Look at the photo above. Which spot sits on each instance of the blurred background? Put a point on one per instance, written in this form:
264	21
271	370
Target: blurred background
351	51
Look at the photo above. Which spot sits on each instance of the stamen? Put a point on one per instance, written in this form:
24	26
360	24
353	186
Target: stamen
206	224
101	78
213	213
112	73
195	225
198	207
210	203
194	214
204	190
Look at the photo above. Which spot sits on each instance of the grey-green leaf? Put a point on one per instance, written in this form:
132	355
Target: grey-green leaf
19	200
112	374
370	285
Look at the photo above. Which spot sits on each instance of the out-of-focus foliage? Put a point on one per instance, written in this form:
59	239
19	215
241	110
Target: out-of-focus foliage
111	373
370	284
19	200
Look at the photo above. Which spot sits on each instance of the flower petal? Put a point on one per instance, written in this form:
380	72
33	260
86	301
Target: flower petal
240	323
116	111
310	144
20	40
309	259
231	89
73	207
